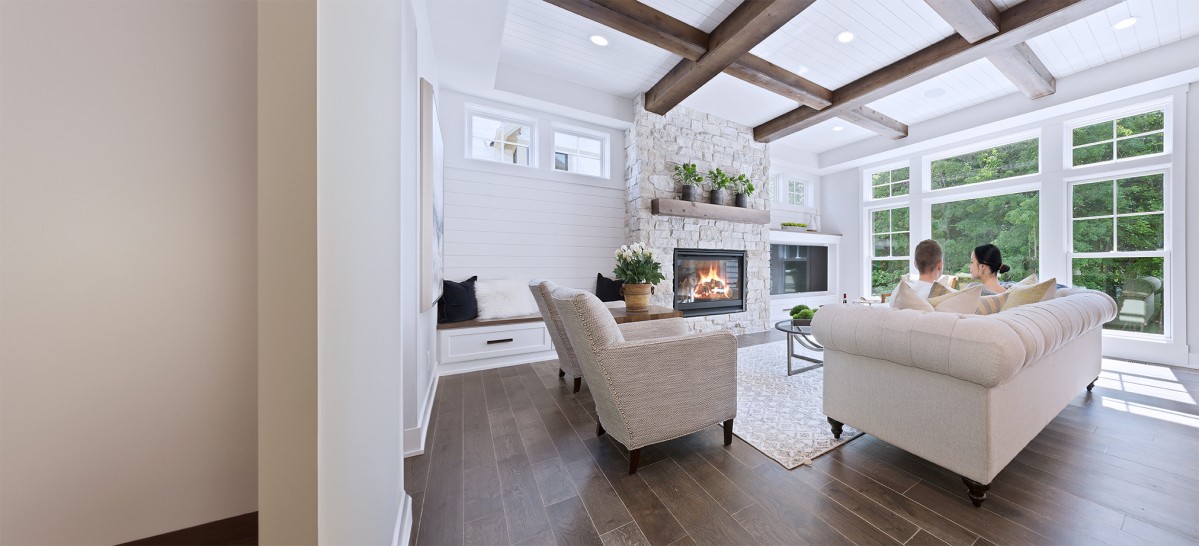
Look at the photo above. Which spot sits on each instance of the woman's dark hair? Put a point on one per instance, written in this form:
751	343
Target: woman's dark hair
989	256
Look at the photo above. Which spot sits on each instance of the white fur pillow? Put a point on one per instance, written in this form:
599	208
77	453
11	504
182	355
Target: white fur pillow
505	298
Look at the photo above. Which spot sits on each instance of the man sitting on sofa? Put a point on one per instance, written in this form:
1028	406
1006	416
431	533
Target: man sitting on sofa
929	263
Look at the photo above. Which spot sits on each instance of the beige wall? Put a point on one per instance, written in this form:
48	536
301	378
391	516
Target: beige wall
287	272
127	261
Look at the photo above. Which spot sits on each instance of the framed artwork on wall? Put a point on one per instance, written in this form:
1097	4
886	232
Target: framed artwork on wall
432	207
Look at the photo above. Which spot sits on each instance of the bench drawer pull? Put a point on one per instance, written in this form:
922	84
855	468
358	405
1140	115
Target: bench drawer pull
494	341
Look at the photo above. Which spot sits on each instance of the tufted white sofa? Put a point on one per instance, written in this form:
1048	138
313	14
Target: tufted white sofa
966	392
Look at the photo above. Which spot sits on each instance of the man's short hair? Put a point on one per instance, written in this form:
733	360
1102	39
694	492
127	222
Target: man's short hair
928	253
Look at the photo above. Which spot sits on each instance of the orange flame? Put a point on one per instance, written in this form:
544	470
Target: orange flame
711	286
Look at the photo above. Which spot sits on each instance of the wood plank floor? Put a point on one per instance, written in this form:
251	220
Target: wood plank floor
512	458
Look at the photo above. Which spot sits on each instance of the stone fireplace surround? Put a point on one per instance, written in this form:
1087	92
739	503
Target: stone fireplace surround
653	146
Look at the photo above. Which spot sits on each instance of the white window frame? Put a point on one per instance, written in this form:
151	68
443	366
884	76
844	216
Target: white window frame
605	148
926	204
1166	253
1165	105
868	239
868	185
926	162
502	116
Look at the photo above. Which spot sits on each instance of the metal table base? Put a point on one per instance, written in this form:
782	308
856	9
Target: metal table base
810	344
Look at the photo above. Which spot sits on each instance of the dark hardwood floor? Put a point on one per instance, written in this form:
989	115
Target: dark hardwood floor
512	458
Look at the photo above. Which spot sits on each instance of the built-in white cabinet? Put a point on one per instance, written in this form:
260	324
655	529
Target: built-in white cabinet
824	293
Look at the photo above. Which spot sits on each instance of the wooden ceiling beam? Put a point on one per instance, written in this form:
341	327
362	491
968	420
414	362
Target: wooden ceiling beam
876	121
1024	68
977	19
1017	24
748	24
973	19
656	28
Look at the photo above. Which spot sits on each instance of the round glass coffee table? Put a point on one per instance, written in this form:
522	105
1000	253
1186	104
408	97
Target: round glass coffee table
803	336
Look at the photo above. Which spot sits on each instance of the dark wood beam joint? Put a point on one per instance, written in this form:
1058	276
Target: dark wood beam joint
876	121
748	24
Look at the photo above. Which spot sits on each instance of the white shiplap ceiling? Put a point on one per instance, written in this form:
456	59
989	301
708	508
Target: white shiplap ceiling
548	40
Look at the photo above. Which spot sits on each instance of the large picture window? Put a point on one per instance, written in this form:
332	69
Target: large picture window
1118	243
1008	221
995	163
1119	138
890	235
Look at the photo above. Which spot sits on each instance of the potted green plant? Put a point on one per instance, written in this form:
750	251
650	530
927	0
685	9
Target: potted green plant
636	266
720	186
687	175
794	226
743	188
801	315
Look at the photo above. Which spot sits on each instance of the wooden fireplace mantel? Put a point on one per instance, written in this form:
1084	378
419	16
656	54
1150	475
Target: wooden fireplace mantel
708	211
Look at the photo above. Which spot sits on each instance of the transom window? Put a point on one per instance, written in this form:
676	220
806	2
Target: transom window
891	239
890	183
502	139
1119	138
994	163
579	153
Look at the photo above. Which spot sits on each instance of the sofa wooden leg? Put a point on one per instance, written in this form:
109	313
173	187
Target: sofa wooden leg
836	427
1092	385
599	429
977	491
561	372
578	383
728	432
634	460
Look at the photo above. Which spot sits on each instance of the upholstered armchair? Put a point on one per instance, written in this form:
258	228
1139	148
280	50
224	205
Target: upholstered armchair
567	362
653	389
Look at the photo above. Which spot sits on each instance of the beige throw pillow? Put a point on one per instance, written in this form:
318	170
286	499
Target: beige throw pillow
961	301
907	298
1022	294
986	304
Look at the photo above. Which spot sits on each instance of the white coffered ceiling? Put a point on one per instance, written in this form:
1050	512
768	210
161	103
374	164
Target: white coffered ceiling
550	41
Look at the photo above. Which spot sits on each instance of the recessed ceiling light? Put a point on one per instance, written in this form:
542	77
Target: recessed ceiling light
802	70
838	128
599	40
845	37
934	93
1125	23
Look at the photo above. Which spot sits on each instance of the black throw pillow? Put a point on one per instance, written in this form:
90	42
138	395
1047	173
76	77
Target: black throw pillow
607	289
457	301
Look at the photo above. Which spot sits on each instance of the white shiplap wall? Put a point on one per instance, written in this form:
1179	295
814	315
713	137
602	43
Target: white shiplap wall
513	222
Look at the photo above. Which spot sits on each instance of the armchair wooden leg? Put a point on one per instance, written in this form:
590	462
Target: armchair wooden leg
634	460
977	491
578	383
561	372
836	427
728	432
1092	385
599	429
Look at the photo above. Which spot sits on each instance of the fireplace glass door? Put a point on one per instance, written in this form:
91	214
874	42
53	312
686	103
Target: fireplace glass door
709	281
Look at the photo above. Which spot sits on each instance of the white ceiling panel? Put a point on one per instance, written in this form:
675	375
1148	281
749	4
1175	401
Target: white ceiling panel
884	31
1005	4
972	84
823	136
1092	41
701	14
752	107
549	40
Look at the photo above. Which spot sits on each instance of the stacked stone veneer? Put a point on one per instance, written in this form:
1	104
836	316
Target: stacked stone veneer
654	145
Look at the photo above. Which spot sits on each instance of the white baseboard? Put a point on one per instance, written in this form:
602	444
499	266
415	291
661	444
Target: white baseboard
403	527
1194	360
497	362
414	438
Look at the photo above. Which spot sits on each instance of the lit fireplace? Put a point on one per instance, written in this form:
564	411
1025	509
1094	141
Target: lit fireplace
708	282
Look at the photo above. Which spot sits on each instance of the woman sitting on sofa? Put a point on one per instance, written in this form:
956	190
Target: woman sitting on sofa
986	264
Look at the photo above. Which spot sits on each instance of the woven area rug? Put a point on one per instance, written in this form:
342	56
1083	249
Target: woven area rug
780	415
